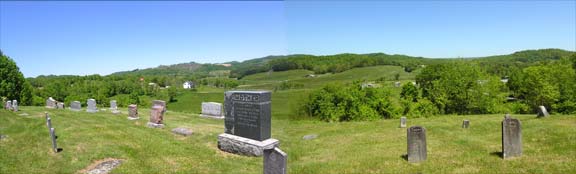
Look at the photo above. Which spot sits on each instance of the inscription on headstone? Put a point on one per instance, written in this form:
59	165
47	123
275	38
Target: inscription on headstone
402	121
465	124
511	138
416	144
50	103
212	109
133	112
542	112
91	106
248	114
75	106
275	161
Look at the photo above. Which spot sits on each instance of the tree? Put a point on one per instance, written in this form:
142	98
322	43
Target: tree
409	92
13	86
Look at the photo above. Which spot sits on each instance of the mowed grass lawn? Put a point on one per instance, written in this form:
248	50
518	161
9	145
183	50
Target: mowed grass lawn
353	147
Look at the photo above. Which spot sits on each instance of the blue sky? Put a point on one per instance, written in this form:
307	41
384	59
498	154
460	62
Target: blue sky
103	37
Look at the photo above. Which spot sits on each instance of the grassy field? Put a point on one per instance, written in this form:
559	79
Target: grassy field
353	147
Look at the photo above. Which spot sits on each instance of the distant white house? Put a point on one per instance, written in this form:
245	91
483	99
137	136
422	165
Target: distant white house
188	85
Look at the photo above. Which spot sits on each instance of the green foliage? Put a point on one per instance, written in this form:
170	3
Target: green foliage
13	86
551	84
409	92
461	88
285	85
219	82
337	102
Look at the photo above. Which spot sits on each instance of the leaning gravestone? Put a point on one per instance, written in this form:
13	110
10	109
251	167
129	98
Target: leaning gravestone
511	138
247	123
91	106
15	105
212	110
275	161
465	124
9	105
133	112
50	103
114	107
157	114
402	121
416	144
75	106
542	112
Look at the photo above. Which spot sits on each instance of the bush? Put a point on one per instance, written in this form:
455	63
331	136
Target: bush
351	102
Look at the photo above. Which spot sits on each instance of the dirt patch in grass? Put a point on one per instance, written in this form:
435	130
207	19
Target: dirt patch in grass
102	166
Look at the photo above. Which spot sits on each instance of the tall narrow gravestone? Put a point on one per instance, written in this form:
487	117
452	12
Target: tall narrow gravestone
542	112
75	106
91	106
114	107
50	103
511	138
246	123
212	110
15	105
416	144
133	112
157	114
402	121
53	137
275	161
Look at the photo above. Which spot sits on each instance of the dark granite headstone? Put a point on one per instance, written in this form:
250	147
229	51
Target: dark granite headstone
511	138
465	124
75	106
416	144
542	112
402	121
275	161
248	114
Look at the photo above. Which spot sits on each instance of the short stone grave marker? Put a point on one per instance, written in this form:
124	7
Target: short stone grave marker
402	122
157	114
275	161
50	103
91	106
542	112
465	124
133	112
212	110
75	106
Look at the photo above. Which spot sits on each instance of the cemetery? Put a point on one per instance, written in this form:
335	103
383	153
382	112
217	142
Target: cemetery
347	87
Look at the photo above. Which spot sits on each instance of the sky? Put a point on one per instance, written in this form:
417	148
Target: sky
102	37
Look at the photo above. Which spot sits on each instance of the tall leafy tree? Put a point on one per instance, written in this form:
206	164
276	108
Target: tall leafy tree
13	85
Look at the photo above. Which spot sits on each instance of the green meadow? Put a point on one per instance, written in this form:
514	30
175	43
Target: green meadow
343	147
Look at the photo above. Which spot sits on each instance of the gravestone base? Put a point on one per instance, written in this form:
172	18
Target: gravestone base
154	125
244	146
212	116
133	118
115	112
91	111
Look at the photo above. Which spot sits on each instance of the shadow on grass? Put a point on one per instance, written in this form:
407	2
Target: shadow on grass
498	154
405	157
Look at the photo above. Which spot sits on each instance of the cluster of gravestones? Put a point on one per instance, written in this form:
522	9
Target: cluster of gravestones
511	137
52	132
11	105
